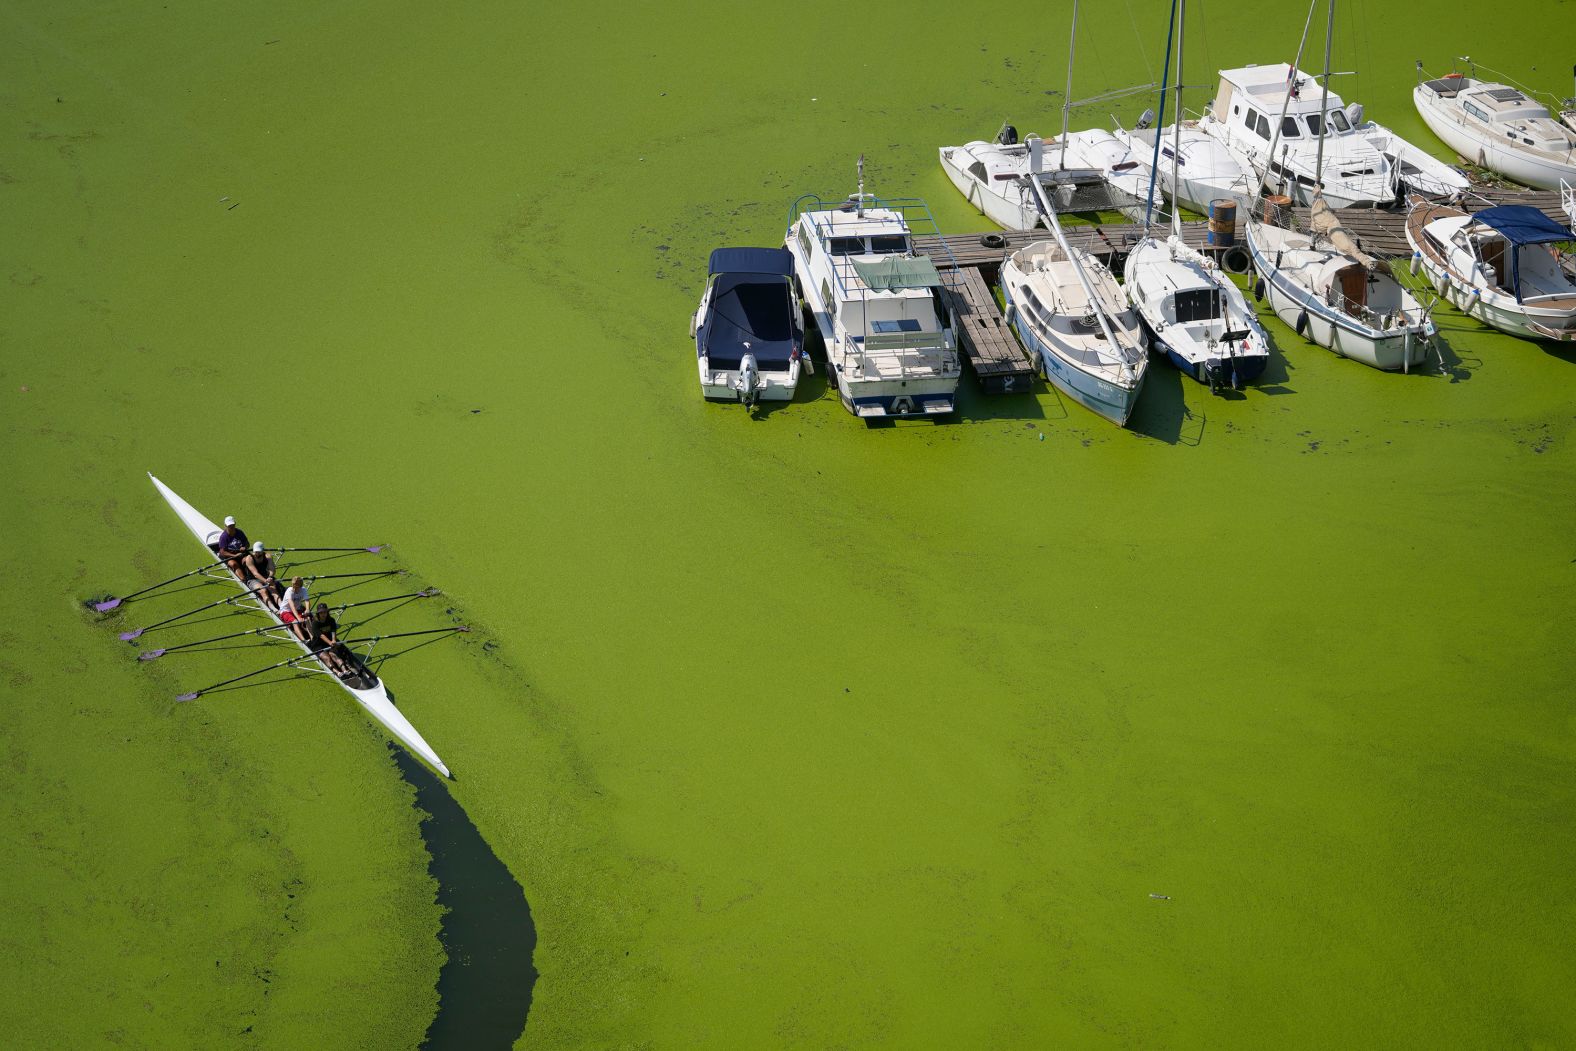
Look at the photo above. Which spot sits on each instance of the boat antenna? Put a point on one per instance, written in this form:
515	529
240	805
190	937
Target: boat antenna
860	205
1067	96
1324	106
1160	121
1291	84
1176	138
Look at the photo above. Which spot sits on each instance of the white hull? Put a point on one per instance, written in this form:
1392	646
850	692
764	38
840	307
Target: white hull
1400	348
1002	202
375	701
1482	149
723	384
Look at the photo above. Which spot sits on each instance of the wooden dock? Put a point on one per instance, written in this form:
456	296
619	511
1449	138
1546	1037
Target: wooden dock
1000	364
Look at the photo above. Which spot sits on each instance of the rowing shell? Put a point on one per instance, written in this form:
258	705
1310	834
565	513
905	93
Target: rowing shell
366	688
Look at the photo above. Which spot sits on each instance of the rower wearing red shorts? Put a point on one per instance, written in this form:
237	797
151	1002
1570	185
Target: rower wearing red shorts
294	607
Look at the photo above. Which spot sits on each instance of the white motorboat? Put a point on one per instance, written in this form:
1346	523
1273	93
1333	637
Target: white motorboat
1499	266
749	328
1272	117
1498	127
1090	346
1208	170
1192	311
994	176
889	340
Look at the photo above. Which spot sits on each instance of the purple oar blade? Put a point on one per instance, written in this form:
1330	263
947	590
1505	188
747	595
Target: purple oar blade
151	655
187	697
130	636
106	605
375	548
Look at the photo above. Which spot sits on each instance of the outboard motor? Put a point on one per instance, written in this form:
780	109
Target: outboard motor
1354	113
1145	119
749	382
1007	136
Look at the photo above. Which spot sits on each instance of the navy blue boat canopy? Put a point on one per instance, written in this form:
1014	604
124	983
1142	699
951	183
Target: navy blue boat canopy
776	261
750	315
1523	225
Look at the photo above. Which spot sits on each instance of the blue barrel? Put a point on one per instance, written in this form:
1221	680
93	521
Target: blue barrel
1222	224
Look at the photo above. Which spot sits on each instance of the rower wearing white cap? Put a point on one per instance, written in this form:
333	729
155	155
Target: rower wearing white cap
231	546
259	566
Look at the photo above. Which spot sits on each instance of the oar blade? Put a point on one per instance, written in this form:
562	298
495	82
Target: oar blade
151	655
188	696
375	548
131	636
107	605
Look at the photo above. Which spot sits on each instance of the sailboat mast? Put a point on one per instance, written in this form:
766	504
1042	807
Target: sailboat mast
1176	137
1160	121
1324	106
1067	96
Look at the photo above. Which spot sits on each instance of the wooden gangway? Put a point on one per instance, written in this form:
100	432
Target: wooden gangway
988	345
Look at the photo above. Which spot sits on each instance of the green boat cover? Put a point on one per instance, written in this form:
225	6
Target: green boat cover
896	271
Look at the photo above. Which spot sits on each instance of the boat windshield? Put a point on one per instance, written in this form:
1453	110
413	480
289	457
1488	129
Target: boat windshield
845	246
888	243
1338	119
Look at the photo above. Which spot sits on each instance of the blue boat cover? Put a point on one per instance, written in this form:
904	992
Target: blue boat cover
751	261
1523	225
751	313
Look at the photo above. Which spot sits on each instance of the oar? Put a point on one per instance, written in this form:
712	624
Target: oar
428	593
112	603
374	549
401	635
153	655
272	667
337	576
132	636
306	657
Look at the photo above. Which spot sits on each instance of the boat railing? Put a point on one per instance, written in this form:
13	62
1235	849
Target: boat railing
1388	321
914	213
909	352
1568	200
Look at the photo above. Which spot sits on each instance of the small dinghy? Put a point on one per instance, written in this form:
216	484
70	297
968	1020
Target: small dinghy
1498	127
1499	266
749	330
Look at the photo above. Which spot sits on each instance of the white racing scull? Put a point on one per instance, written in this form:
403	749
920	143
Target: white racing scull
365	687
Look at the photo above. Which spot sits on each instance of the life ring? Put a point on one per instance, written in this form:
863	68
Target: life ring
1235	260
993	241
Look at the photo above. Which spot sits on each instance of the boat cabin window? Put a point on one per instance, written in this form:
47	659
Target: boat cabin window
804	242
1338	119
845	246
1261	126
886	244
1289	128
1315	124
902	324
1474	111
1197	304
977	169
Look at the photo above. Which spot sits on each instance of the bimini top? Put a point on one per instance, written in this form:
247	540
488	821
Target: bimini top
1523	225
895	271
776	261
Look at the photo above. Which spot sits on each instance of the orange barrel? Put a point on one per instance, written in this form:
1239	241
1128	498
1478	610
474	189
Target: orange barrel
1274	206
1222	224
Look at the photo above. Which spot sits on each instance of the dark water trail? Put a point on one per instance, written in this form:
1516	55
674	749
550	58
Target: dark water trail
484	988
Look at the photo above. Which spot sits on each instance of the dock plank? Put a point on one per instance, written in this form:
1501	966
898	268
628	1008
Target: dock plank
999	363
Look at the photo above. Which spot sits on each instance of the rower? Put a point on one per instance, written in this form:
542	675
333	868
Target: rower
231	546
324	642
259	566
293	607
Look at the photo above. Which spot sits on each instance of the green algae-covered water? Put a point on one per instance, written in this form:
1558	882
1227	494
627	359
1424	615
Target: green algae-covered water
795	733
